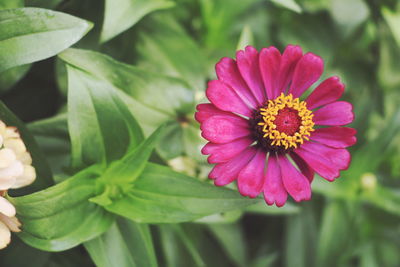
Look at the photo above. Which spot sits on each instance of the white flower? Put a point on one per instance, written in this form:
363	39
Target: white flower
15	171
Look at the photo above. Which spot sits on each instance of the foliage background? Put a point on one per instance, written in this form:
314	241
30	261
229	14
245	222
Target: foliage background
145	64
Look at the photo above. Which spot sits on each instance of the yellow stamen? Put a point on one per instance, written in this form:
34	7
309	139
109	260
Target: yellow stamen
270	129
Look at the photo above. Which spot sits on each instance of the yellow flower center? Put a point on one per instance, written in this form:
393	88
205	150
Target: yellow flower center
286	122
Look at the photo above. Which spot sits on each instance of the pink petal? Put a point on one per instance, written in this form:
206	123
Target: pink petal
206	111
223	152
274	191
224	128
294	181
270	60
251	177
247	62
337	137
327	92
225	173
307	72
305	169
228	73
334	114
224	98
326	161
289	60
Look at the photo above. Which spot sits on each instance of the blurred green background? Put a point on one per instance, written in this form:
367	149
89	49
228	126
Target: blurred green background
351	222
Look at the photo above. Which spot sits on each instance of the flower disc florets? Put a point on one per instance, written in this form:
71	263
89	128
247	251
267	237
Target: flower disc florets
282	124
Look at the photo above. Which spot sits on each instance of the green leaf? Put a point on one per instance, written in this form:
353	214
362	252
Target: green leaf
128	169
125	244
32	34
246	38
120	15
219	20
161	195
44	175
165	47
289	4
61	217
101	127
163	96
119	177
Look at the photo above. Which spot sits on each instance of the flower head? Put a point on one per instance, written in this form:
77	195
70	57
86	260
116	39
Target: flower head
264	134
15	172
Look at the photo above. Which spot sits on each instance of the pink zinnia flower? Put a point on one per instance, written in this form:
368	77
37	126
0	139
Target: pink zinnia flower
262	135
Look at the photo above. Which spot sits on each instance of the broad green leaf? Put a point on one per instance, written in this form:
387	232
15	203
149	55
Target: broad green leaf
32	34
61	217
11	76
161	195
120	15
125	244
101	127
160	93
133	163
231	239
120	176
246	38
165	47
44	175
289	4
218	19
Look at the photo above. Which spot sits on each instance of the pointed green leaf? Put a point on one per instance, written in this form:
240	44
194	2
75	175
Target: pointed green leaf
125	244
165	47
166	97
161	195
246	38
120	176
120	15
101	127
61	217
32	34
